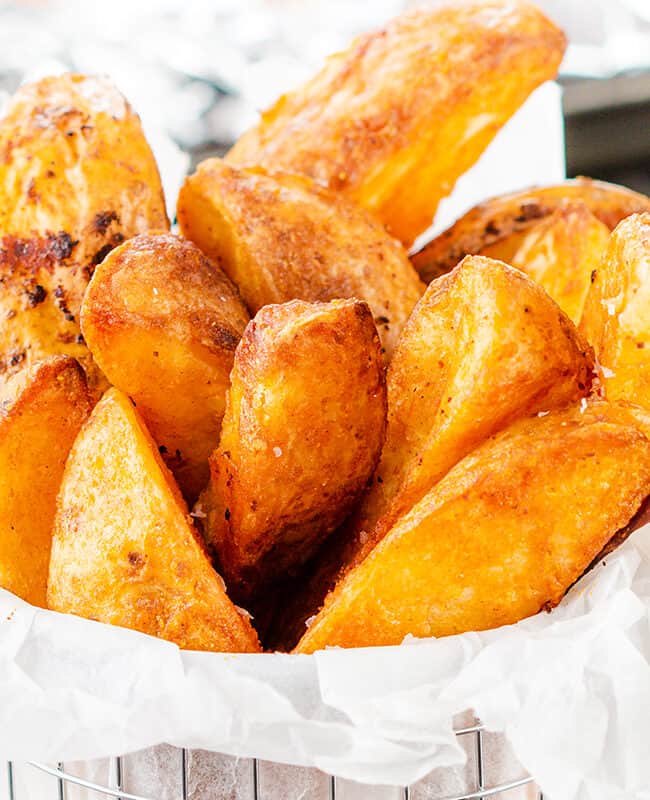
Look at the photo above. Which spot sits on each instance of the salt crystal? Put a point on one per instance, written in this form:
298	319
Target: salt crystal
542	413
607	372
310	621
583	405
277	452
198	512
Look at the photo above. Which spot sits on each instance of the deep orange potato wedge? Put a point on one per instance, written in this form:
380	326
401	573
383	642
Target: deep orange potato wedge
616	317
498	227
301	437
41	411
77	178
396	119
283	237
125	551
501	537
561	254
484	347
162	322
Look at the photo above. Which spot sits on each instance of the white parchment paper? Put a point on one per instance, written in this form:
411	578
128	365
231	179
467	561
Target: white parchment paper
570	690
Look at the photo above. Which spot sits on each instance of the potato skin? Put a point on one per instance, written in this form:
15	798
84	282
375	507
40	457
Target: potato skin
77	177
501	537
498	226
616	316
562	253
124	549
395	120
41	411
162	322
301	437
282	237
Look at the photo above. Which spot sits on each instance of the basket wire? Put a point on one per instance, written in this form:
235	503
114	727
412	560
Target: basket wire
118	792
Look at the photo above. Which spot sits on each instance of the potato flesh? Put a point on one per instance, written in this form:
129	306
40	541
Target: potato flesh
162	322
484	347
302	435
617	313
282	237
498	227
77	177
124	549
503	536
354	128
562	253
43	409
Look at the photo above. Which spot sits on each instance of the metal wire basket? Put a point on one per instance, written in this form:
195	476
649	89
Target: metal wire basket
473	738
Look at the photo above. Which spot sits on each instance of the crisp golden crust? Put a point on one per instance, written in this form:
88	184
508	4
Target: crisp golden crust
498	226
501	537
162	322
616	317
124	548
282	237
562	253
77	178
302	435
395	120
41	411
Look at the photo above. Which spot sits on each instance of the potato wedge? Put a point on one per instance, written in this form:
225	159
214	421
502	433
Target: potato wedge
77	177
41	411
162	322
302	434
501	537
616	317
503	350
282	237
397	118
498	227
561	254
124	549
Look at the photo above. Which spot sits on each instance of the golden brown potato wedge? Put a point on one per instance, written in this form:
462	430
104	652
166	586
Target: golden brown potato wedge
561	254
616	317
301	437
162	322
497	227
484	347
396	119
124	549
41	411
77	177
282	237
501	537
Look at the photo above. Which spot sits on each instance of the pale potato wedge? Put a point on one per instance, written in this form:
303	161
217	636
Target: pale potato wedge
562	253
616	317
484	347
302	434
124	549
162	322
501	537
397	118
41	411
282	237
77	178
498	227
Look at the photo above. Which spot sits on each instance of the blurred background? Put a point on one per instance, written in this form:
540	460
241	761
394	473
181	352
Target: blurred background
198	71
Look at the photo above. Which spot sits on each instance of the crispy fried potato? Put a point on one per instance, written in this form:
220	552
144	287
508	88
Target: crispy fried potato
301	437
561	254
396	119
498	227
124	549
77	177
501	537
41	411
616	317
162	322
282	237
485	346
